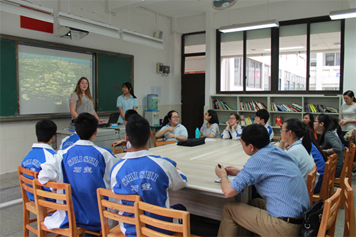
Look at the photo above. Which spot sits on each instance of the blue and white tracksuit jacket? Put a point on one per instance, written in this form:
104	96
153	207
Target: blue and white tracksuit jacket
85	167
68	141
147	175
40	153
229	134
270	131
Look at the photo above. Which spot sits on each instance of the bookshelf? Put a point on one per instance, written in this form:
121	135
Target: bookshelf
238	105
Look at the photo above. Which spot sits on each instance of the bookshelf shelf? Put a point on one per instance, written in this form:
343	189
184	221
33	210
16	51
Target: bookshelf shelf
236	101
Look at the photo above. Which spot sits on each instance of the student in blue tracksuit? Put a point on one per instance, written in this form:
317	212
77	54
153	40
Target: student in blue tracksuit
42	151
85	167
68	141
127	116
140	172
262	117
233	130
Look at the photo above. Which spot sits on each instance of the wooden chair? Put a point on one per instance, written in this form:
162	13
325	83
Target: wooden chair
27	205
327	186
346	168
311	184
350	224
42	205
118	150
109	210
142	220
160	143
328	220
276	138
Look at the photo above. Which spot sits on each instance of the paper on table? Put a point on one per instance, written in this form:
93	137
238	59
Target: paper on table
230	177
209	140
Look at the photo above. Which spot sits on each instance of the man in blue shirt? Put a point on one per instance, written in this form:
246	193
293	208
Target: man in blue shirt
42	151
278	181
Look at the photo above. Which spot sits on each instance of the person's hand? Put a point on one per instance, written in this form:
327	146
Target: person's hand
101	121
232	170
117	143
234	127
170	129
227	125
171	135
220	171
353	134
343	122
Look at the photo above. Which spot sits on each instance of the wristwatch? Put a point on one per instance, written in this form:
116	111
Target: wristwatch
222	176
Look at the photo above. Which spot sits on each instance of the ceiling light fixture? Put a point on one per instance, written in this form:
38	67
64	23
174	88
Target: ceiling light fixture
287	48
27	9
65	19
249	26
343	14
139	38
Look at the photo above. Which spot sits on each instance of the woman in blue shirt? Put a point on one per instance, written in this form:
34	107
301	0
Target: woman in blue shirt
171	129
126	101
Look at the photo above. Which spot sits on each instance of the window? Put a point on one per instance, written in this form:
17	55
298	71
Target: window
194	53
282	59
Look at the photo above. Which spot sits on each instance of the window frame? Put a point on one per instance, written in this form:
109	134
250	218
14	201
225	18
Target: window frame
274	67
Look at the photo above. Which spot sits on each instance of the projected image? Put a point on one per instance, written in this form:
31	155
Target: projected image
46	81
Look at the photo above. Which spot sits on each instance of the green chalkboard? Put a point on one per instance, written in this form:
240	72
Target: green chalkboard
8	79
113	71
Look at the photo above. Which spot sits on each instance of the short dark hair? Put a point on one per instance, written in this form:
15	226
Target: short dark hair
263	114
300	130
236	116
129	112
45	130
255	134
137	130
86	125
214	116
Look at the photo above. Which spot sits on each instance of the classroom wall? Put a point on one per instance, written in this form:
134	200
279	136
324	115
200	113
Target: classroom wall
282	11
16	138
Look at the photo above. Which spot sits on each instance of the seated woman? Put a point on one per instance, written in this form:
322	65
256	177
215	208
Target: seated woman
233	130
210	126
329	140
172	130
299	149
308	119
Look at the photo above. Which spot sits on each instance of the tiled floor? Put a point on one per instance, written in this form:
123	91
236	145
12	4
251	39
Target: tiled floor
11	217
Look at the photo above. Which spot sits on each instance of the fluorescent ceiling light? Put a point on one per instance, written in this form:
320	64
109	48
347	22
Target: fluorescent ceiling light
138	38
27	9
249	26
343	14
65	19
287	48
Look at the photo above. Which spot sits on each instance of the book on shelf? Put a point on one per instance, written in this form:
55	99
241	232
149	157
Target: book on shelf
220	105
251	105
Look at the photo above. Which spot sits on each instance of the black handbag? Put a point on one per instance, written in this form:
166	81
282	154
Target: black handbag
192	142
311	220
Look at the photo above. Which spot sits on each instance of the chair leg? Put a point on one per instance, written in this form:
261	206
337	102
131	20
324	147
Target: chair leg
26	220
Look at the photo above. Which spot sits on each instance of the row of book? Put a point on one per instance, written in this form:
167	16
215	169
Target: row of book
287	108
251	105
246	120
311	108
219	104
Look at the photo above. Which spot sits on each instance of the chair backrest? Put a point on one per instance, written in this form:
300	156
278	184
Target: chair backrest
109	209
330	212
311	184
26	177
324	190
331	176
160	143
118	150
351	160
141	209
350	225
42	204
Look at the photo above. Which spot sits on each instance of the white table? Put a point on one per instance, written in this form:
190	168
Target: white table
203	196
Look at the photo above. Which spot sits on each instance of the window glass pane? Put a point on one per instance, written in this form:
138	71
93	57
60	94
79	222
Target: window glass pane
325	40
231	77
258	53
194	43
194	65
292	60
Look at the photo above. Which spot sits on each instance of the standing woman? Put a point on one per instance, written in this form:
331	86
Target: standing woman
329	140
171	129
348	113
210	126
308	119
295	133
81	101
126	101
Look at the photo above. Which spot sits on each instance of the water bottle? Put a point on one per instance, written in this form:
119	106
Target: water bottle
197	133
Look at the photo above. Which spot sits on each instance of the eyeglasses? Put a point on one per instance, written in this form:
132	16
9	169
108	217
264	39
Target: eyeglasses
284	130
316	121
232	118
175	117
